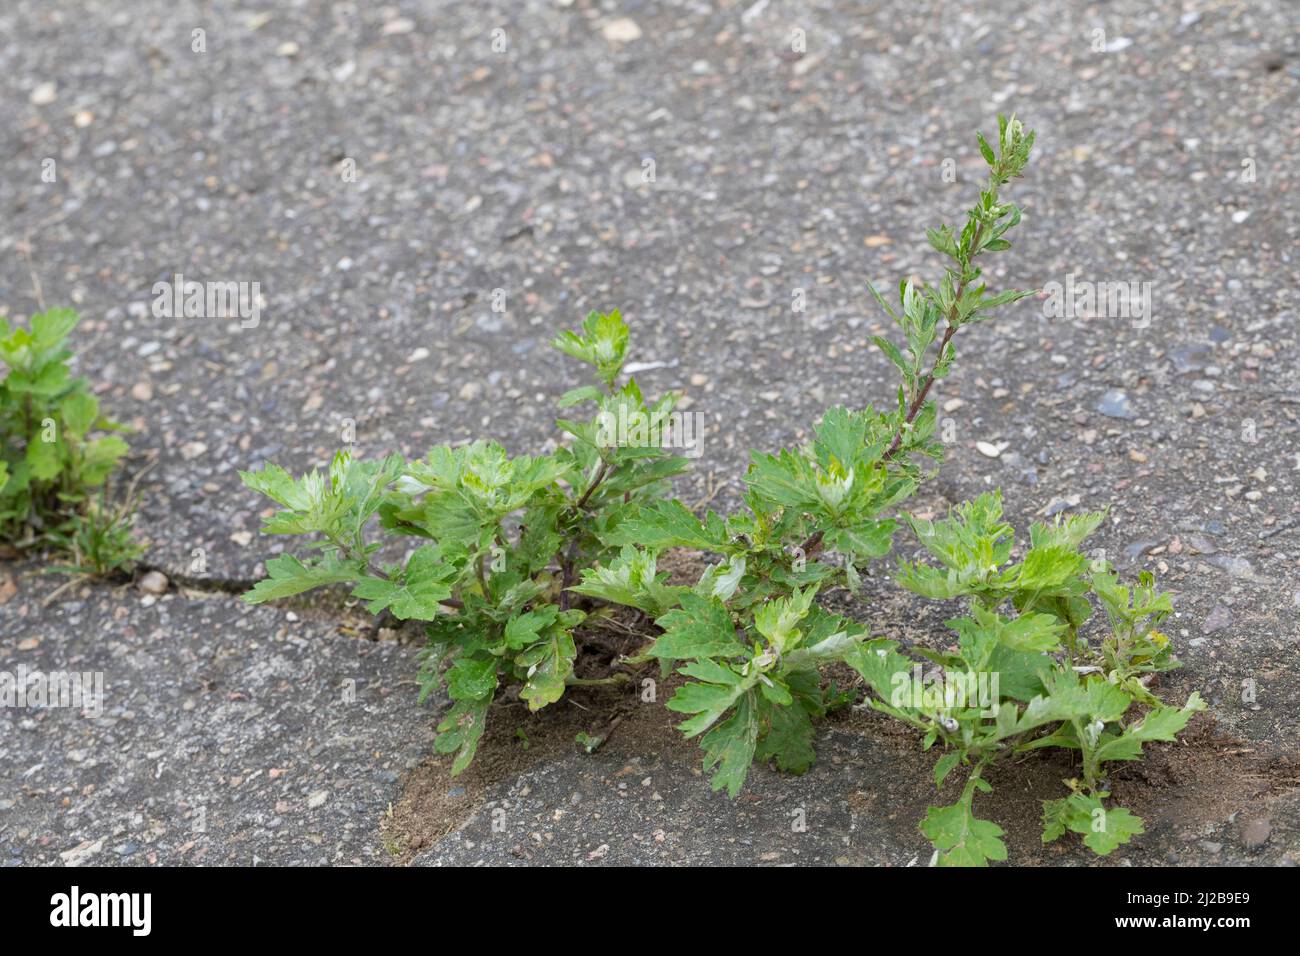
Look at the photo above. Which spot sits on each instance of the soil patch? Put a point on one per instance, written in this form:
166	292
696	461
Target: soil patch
1185	787
620	718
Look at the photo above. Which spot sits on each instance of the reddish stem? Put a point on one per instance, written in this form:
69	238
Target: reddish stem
566	560
813	544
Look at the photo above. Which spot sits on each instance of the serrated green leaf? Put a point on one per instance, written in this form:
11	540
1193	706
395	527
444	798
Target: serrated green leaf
945	765
417	595
526	629
587	393
778	620
865	540
44	459
895	355
99	458
603	343
472	678
785	736
288	575
280	486
880	300
1031	633
700	628
461	730
632	580
79	412
549	665
1117	826
730	747
716	690
669	524
727	577
51	327
960	838
1159	724
1103	829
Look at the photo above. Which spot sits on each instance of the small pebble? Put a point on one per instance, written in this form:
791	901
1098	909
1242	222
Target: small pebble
154	582
44	94
621	30
1115	404
1217	619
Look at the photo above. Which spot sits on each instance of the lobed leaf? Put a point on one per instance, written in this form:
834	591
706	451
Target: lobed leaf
287	576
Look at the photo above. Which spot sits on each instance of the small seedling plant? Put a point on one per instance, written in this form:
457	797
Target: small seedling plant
57	451
515	555
1023	676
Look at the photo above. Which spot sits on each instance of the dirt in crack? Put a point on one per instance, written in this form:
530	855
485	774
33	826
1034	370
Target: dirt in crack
433	803
1188	788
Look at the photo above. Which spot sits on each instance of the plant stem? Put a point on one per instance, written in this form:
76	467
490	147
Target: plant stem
813	544
350	552
616	678
601	475
919	402
1086	749
567	555
968	791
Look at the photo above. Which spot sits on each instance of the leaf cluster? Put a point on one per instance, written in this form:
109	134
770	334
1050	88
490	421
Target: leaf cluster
497	541
1023	675
56	448
815	517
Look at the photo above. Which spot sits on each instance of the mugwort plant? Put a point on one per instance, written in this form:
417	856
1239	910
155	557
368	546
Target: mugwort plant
57	451
513	556
502	541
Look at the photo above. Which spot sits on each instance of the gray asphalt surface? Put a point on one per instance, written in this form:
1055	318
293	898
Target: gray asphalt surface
510	163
